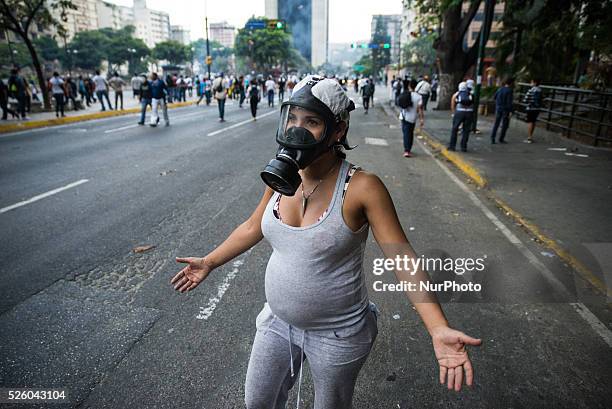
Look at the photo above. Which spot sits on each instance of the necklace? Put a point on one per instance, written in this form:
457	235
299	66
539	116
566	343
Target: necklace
306	197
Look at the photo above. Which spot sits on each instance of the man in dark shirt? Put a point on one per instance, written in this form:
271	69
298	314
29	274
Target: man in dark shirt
503	110
16	86
144	92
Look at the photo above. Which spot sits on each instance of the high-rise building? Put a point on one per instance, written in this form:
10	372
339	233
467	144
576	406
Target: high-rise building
152	26
114	16
476	25
223	33
83	18
180	34
391	26
308	21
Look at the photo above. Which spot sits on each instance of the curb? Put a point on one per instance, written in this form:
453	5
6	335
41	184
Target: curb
22	126
470	171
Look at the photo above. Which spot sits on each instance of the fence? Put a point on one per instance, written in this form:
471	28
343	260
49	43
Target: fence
579	114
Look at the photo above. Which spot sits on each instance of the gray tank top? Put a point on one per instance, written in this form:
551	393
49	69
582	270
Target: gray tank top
314	278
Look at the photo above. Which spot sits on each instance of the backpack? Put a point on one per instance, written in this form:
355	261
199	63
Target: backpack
404	100
464	98
219	88
254	93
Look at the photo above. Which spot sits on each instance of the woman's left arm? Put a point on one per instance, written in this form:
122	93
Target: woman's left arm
449	344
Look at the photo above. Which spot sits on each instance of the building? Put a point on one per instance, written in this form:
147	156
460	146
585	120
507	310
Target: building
180	34
83	18
408	23
476	25
114	16
392	27
223	33
152	26
308	21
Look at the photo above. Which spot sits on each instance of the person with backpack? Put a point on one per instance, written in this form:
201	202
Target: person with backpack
254	97
423	88
4	94
17	90
462	106
411	105
533	102
239	86
366	93
220	89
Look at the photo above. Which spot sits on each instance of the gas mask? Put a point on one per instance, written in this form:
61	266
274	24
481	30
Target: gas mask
298	146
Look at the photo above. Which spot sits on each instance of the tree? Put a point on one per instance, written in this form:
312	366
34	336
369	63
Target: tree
454	61
263	49
91	49
554	40
17	53
48	48
171	51
123	47
420	53
380	56
364	65
19	16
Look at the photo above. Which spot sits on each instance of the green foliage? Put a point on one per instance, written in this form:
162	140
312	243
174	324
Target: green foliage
420	54
221	55
172	51
48	48
20	55
364	66
263	49
91	49
380	56
123	47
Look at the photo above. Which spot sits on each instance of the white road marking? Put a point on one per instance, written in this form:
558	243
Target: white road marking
42	196
376	141
206	312
597	325
557	149
581	155
240	124
123	128
582	310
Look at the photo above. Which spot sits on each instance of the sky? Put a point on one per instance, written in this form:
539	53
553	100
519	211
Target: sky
349	20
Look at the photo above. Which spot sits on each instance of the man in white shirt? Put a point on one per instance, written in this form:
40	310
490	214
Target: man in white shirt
270	88
101	90
408	117
219	87
423	88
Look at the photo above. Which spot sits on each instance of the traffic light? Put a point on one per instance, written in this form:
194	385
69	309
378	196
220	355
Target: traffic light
276	24
208	60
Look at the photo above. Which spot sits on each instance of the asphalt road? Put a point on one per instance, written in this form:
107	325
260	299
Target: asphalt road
80	310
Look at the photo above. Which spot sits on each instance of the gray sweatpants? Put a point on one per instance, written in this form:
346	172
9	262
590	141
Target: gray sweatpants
335	358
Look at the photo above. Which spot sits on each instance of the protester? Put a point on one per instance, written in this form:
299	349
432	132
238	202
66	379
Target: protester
220	89
423	88
117	83
159	91
254	94
533	102
102	90
503	109
366	94
70	88
146	98
56	86
462	106
135	82
411	105
317	298
282	81
4	95
17	89
83	90
270	86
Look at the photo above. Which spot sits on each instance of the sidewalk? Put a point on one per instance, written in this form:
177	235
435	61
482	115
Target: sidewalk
560	191
40	119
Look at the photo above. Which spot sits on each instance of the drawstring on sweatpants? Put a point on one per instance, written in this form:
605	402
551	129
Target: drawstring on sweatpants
301	362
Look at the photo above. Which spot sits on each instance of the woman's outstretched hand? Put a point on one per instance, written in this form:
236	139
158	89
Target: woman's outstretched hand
449	346
189	277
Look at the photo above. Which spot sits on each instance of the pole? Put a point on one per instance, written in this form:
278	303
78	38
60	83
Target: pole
207	47
484	37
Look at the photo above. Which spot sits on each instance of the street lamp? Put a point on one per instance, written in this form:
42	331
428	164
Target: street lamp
132	51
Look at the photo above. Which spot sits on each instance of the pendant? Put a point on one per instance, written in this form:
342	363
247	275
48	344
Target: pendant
304	204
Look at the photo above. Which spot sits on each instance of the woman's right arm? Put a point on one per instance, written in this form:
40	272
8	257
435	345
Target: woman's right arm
243	237
240	240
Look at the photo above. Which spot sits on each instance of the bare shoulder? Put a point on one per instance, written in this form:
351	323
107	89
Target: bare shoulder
368	186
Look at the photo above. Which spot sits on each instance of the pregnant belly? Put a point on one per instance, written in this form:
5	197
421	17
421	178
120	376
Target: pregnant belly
309	298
